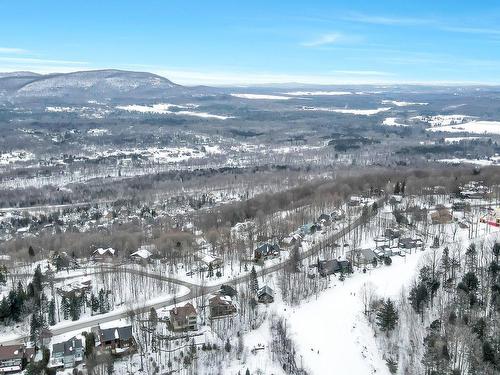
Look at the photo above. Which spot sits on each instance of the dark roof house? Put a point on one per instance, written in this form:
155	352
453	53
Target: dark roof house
265	295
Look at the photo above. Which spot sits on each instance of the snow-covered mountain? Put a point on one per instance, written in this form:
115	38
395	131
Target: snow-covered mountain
85	85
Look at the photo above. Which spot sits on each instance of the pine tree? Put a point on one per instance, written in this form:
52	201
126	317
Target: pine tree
35	325
94	303
153	317
227	346
254	282
37	280
31	252
4	310
247	372
387	316
65	307
52	312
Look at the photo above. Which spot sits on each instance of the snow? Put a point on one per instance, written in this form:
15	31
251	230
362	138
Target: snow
142	253
335	326
482	162
392	121
476	127
441	120
401	104
362	112
15	156
318	93
452	140
261	96
165	108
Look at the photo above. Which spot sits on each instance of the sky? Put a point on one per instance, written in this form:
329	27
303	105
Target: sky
257	42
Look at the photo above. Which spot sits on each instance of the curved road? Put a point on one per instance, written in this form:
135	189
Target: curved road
195	290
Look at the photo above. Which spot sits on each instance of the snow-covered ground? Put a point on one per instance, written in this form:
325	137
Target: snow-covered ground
318	93
475	127
442	120
333	330
401	103
261	96
166	108
392	121
361	112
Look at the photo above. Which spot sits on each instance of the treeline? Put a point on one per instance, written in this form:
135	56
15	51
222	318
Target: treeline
447	323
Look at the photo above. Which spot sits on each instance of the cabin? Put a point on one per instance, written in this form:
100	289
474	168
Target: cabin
355	201
265	295
265	251
67	354
141	255
13	358
330	267
116	340
221	306
184	318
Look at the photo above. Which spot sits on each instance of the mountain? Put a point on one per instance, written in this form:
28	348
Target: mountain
87	85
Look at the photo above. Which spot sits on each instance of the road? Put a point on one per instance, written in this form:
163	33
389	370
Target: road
194	289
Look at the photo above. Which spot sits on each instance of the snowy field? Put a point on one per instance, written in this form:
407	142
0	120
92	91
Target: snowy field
361	112
475	127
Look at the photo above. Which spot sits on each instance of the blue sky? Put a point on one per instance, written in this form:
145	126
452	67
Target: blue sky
236	42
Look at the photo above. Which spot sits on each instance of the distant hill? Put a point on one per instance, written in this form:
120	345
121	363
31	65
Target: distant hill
87	85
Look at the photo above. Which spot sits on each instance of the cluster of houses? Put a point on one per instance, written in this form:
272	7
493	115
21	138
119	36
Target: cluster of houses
116	340
144	254
473	190
68	354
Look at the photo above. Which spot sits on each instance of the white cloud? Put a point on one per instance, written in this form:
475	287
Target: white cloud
323	40
471	30
29	60
361	72
384	20
15	51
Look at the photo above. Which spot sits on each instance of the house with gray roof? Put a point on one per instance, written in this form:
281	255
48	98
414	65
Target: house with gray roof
67	354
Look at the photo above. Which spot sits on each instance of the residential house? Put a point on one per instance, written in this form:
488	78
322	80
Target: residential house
355	201
324	219
209	260
337	214
392	233
104	255
309	228
292	239
67	354
361	257
329	267
77	288
117	340
142	255
221	306
265	295
13	358
184	318
409	243
266	250
441	216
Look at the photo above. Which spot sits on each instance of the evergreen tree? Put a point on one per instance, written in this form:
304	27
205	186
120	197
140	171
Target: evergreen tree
4	310
387	316
94	303
227	346
31	252
153	317
247	372
65	307
52	312
35	326
254	282
37	280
